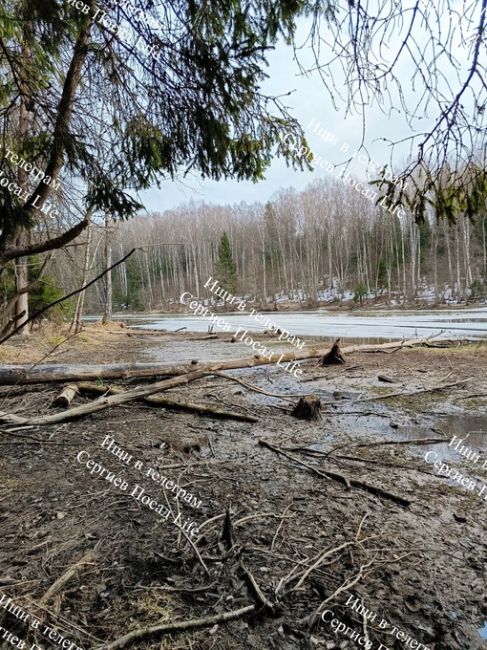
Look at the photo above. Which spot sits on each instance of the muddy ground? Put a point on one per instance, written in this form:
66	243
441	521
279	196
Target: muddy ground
306	540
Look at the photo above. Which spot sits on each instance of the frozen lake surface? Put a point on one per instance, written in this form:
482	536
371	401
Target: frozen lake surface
376	324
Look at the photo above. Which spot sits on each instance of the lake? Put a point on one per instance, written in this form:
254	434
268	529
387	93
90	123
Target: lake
376	324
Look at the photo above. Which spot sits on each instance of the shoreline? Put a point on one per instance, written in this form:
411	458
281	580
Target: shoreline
178	309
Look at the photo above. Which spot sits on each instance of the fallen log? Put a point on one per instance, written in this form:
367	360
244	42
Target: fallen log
176	405
104	402
47	373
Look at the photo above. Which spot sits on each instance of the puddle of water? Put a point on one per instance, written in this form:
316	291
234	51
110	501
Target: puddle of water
471	428
483	631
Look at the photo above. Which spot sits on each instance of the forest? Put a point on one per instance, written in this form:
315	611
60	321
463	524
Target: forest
326	244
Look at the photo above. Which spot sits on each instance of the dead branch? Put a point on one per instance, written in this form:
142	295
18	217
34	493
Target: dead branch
263	443
256	389
283	516
104	402
258	591
174	404
372	489
344	587
178	626
317	563
414	392
59	584
418	441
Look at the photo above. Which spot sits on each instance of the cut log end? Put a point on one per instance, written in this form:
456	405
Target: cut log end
308	408
334	356
66	397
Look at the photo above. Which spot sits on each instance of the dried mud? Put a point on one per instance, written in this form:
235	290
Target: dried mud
422	567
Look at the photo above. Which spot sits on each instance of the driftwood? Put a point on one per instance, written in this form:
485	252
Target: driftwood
308	408
348	482
334	356
173	404
25	374
67	396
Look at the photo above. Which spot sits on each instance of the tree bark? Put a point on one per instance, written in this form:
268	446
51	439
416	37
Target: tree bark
21	311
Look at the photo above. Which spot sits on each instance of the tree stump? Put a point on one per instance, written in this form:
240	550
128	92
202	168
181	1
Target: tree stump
227	535
334	356
308	408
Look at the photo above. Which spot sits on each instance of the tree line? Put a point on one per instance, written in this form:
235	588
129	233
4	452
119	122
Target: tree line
325	243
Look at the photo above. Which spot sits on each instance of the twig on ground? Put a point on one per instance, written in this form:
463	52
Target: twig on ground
256	389
257	590
344	587
178	626
283	516
59	584
414	392
377	491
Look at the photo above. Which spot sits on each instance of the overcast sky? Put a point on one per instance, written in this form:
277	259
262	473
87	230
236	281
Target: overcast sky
309	99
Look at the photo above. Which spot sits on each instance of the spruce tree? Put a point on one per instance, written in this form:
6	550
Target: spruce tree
226	267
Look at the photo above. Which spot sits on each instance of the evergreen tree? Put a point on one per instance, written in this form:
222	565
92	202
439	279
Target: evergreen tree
226	267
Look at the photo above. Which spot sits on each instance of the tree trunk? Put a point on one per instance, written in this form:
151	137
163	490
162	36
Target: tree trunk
78	313
484	248
107	313
21	312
